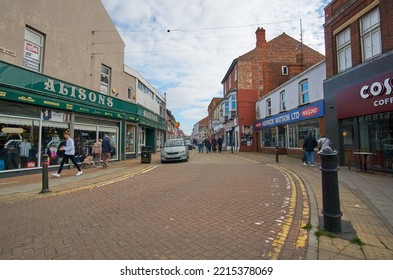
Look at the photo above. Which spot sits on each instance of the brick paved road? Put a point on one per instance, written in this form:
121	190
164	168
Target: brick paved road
216	206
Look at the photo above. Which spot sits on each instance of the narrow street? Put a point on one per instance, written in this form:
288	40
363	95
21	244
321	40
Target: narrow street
216	206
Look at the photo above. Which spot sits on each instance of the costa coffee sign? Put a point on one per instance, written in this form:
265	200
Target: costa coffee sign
370	97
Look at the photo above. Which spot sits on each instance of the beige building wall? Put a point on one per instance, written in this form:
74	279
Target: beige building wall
79	38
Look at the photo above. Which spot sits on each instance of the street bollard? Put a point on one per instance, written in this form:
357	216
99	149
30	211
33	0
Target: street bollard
45	182
276	153
330	194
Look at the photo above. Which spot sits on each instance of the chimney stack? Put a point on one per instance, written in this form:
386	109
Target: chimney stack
261	37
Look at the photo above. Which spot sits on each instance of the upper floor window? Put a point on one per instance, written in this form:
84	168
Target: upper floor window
145	89
105	79
33	50
268	107
283	107
129	93
233	102
226	108
344	54
303	92
235	78
371	35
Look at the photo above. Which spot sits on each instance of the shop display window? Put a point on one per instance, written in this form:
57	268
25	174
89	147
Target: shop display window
84	138
130	138
160	139
18	143
52	140
113	136
269	137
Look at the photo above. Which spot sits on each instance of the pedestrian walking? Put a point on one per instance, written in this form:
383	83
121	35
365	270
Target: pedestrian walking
69	153
324	142
106	151
97	152
309	145
219	142
207	145
214	145
200	145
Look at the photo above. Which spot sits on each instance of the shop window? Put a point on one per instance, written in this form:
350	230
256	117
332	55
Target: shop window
130	138
52	140
19	143
33	50
105	79
54	124
141	137
344	54
297	132
269	137
104	131
371	35
84	138
293	137
160	139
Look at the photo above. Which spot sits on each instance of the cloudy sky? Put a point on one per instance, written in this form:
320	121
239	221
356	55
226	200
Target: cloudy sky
185	47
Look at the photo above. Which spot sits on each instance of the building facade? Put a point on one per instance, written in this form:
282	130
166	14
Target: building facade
58	74
254	75
287	114
358	88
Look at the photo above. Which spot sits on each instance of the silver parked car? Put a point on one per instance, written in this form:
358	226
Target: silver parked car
175	150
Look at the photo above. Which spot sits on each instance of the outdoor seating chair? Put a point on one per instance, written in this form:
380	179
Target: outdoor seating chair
354	159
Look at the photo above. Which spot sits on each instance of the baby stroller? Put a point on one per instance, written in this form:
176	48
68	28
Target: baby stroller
88	162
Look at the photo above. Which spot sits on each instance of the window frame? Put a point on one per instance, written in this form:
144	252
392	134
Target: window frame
28	55
303	93
104	83
268	107
369	33
344	48
282	101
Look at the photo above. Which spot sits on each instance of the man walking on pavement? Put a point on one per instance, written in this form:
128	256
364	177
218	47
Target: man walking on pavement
69	153
309	145
106	151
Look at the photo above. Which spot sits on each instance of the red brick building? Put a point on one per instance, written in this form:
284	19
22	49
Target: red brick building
358	89
255	74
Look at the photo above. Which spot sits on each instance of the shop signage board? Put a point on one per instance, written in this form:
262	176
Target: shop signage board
21	78
371	96
30	98
19	84
314	110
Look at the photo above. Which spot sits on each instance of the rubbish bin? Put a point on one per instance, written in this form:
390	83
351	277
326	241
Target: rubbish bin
146	154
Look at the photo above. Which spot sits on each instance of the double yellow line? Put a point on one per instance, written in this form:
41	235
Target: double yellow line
282	236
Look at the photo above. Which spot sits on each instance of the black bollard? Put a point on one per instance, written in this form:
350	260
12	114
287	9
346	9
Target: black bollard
330	194
276	153
45	182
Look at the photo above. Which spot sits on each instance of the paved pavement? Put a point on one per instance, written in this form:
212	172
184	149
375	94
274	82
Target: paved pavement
366	203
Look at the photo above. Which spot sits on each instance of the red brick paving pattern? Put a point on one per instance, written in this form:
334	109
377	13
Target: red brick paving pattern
208	208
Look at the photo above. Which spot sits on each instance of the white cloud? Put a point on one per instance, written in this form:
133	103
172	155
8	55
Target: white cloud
205	36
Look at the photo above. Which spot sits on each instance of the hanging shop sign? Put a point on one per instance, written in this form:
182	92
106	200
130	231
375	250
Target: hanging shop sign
314	110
